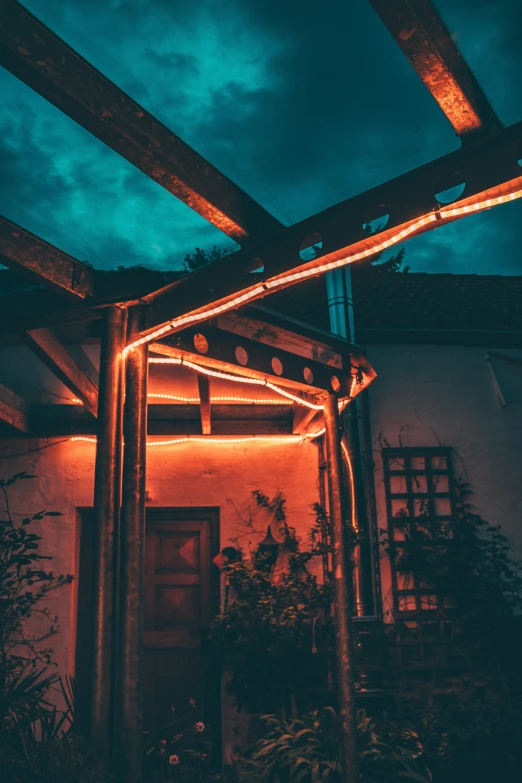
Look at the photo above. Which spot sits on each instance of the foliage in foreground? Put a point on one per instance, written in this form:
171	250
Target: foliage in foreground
181	751
274	622
469	719
36	739
61	760
306	750
25	678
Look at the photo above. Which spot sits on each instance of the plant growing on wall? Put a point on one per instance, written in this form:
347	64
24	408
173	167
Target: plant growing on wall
470	722
24	655
273	632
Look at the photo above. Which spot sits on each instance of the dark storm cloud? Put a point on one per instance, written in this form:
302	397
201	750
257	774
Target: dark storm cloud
302	104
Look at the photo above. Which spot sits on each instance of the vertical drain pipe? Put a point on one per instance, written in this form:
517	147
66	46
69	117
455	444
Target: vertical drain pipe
340	308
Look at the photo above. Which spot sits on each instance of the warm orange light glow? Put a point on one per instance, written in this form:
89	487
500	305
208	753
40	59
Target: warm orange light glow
76	401
213	439
164	360
480	205
279	281
293	397
237	379
348	460
313	435
232	400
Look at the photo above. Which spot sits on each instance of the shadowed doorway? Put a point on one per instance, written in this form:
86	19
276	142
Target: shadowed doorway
181	596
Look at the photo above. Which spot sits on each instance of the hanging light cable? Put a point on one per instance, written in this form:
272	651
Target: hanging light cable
282	280
236	379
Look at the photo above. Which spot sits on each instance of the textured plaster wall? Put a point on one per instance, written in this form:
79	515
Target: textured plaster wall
431	394
187	475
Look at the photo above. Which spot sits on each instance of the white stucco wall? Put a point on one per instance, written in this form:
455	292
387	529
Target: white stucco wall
431	395
186	475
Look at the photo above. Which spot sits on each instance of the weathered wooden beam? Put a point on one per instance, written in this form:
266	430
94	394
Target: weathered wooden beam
303	417
38	309
222	357
13	410
28	254
273	329
52	421
34	54
129	650
72	367
488	168
107	494
418	29
204	404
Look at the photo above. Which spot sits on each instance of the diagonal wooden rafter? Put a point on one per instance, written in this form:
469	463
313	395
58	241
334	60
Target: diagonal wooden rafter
72	366
34	54
418	29
27	253
40	261
13	410
488	168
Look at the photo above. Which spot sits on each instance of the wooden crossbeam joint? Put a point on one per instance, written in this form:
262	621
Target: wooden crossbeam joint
487	168
34	54
13	410
72	367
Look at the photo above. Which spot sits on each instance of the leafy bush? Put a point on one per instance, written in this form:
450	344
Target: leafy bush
36	739
276	619
24	659
470	719
306	750
61	760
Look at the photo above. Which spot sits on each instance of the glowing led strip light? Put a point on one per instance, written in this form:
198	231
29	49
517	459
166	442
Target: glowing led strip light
197	400
213	439
272	284
237	379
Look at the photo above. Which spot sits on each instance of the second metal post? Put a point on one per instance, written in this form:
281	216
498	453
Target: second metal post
343	610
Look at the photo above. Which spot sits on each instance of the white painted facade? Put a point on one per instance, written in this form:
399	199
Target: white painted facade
424	395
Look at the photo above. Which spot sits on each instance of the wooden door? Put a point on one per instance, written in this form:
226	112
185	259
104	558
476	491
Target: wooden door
181	596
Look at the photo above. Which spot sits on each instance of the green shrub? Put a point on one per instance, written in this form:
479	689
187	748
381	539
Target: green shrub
275	621
306	750
62	760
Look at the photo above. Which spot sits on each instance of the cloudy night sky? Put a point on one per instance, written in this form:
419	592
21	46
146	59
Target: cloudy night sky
303	103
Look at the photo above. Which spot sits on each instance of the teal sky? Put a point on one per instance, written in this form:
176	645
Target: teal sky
301	103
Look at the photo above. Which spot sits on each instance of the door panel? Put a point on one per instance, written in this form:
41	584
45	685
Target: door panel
181	597
179	604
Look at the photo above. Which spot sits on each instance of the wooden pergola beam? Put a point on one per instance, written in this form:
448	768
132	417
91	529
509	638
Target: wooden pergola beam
34	54
13	410
41	308
40	261
73	368
419	31
204	404
57	421
487	168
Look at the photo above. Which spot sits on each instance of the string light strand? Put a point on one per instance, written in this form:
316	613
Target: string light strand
279	281
236	379
217	440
